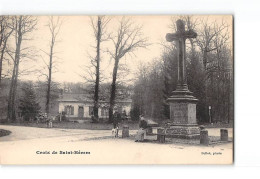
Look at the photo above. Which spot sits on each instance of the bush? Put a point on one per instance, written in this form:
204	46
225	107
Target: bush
4	132
143	124
29	106
135	113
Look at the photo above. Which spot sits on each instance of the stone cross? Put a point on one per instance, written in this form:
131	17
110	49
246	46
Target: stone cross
180	36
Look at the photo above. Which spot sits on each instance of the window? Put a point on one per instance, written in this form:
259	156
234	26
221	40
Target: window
81	111
90	110
66	109
103	111
69	110
72	110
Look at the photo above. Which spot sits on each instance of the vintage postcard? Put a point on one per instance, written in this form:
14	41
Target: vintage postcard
116	89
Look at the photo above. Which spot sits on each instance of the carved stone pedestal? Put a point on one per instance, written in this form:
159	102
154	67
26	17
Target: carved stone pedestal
184	132
183	115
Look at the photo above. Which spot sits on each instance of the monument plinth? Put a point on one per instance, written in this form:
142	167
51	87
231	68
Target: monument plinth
182	102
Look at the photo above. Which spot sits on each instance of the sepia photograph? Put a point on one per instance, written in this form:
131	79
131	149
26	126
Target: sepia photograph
117	89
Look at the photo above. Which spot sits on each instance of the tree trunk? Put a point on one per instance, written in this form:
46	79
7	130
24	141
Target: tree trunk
2	29
11	115
229	82
96	95
113	90
49	80
4	41
1	63
15	91
211	97
1	60
9	107
205	60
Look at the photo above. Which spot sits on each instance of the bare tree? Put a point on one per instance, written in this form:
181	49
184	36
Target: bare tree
6	31
54	26
207	36
100	34
219	67
212	46
129	37
22	26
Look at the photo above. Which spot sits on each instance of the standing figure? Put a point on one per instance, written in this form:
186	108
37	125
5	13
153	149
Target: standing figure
115	123
124	116
141	133
49	122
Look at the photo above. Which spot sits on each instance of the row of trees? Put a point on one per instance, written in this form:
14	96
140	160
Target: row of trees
16	34
16	48
16	29
125	40
209	74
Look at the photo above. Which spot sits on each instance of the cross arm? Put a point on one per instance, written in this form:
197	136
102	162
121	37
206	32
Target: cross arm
178	35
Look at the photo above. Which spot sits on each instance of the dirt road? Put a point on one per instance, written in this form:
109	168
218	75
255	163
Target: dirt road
29	145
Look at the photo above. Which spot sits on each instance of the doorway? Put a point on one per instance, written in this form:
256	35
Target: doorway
81	112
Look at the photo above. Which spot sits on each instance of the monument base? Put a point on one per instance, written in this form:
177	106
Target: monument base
183	114
183	132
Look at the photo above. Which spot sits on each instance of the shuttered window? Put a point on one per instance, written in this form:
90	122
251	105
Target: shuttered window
69	110
102	112
72	110
90	110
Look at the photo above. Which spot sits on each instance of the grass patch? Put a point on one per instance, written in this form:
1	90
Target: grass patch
4	132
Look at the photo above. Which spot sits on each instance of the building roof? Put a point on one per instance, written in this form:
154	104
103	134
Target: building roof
76	97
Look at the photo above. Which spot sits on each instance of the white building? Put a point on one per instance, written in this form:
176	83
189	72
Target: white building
78	106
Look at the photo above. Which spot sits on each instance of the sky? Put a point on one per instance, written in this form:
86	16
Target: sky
76	38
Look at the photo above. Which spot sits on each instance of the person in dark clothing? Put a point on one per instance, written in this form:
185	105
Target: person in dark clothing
115	119
124	116
115	122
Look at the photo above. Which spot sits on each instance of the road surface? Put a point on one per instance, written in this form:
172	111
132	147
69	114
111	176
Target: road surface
29	145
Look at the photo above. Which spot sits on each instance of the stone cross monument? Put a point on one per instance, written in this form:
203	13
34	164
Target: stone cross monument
182	103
